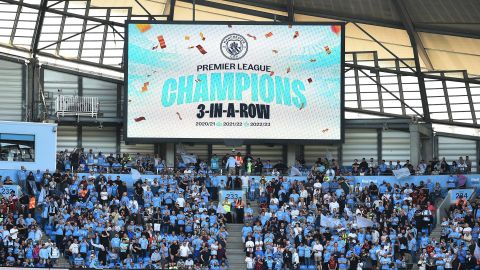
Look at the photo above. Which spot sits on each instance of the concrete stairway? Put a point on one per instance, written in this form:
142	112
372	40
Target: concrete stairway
235	246
62	262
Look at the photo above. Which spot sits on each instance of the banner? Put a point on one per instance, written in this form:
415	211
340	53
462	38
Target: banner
187	159
236	81
401	173
231	195
6	190
476	252
456	193
364	222
329	222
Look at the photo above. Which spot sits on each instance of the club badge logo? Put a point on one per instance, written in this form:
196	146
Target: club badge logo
234	46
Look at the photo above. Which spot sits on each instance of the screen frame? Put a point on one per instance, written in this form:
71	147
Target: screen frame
141	140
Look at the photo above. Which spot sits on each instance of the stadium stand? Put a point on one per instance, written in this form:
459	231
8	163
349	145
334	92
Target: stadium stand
240	134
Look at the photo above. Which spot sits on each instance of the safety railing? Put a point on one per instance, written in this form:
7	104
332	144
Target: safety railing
76	106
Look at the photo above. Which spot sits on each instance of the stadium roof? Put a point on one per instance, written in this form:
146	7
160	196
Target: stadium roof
447	31
386	41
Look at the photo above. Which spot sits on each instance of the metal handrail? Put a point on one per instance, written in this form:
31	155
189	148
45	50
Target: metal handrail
76	105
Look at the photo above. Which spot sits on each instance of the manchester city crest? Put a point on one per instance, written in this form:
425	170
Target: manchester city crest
234	46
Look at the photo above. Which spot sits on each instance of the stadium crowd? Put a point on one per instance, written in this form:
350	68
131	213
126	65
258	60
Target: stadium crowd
172	222
325	223
84	161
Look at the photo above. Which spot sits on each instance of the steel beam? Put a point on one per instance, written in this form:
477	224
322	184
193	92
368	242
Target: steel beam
388	91
408	73
383	46
234	8
379	83
59	12
60	34
69	37
470	99
171	13
38	26
357	82
408	24
447	99
104	39
291	10
15	23
434	121
84	29
400	87
150	17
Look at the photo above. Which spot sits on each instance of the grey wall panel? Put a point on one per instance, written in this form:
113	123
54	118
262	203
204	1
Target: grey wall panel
221	149
66	138
54	81
11	91
359	143
135	148
99	140
395	146
453	148
312	152
273	153
200	150
106	93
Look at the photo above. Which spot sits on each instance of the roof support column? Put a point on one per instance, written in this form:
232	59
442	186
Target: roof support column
418	50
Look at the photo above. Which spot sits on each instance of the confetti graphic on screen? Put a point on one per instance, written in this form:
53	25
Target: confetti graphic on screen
145	87
252	36
143	27
269	34
161	41
327	50
336	29
140	119
296	35
201	49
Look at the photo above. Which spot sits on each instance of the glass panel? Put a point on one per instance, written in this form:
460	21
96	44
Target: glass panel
17	147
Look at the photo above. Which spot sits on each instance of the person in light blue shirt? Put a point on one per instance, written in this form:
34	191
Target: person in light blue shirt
269	261
308	255
342	262
78	261
412	247
115	242
143	241
373	254
385	262
214	163
326	256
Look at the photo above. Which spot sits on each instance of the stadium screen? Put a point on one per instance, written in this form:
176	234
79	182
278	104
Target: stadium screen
234	81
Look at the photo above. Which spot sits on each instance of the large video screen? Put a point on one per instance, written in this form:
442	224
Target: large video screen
234	81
